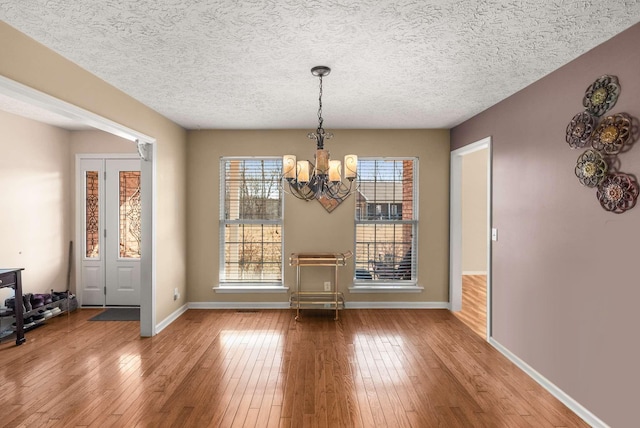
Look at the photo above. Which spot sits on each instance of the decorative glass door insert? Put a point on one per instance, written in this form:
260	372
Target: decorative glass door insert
92	214
130	209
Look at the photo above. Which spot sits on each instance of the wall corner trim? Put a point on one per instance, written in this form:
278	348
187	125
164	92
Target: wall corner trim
572	404
171	318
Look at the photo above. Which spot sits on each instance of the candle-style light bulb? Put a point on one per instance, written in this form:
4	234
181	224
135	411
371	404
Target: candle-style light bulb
334	170
350	166
303	171
289	166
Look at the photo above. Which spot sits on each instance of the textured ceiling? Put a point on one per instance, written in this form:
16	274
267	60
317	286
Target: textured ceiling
244	64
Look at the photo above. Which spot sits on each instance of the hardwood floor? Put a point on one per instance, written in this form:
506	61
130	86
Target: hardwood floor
474	303
210	368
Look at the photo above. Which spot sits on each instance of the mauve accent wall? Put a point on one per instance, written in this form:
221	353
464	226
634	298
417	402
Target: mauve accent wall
566	288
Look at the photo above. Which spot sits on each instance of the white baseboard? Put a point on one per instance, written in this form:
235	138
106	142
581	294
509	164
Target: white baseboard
348	305
474	272
171	318
397	305
238	305
572	404
285	305
388	289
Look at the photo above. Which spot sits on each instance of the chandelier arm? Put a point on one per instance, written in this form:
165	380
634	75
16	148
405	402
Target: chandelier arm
296	189
304	197
340	190
318	188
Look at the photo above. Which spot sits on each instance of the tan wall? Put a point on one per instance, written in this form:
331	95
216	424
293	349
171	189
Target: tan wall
307	226
40	68
474	212
98	142
35	187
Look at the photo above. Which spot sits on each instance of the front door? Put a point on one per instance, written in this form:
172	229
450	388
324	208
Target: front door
110	273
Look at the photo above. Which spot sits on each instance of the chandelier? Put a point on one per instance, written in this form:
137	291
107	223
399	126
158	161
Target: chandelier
325	178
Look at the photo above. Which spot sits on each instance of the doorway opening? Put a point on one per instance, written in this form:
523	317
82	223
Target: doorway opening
470	237
39	101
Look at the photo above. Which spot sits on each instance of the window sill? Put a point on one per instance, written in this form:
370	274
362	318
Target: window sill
251	289
386	289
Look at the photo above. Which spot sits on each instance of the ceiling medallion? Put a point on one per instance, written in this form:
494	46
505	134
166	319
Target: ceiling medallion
612	134
580	129
591	168
618	193
602	95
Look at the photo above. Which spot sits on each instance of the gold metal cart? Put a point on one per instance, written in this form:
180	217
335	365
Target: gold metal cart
318	299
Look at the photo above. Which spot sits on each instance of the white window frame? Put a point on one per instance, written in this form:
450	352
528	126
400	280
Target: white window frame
249	286
391	285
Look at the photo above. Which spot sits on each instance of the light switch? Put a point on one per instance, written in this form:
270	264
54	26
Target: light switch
494	234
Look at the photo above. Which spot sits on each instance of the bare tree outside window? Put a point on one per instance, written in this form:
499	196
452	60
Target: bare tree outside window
252	220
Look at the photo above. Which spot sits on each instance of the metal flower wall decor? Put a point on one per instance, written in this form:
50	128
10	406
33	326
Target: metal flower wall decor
591	168
612	134
580	129
602	95
616	191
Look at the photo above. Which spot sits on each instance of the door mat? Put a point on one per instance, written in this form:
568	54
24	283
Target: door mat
118	314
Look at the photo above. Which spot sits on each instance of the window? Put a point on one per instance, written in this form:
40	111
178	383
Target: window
251	221
386	221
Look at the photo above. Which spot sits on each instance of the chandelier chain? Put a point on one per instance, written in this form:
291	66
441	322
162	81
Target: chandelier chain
320	120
